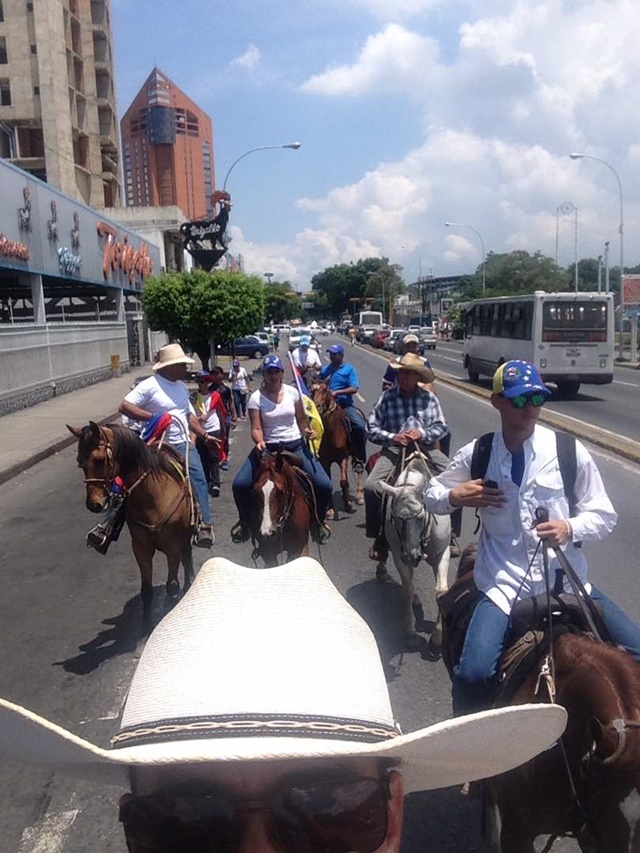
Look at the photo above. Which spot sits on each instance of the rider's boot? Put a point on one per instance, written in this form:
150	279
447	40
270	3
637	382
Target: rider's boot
204	536
240	532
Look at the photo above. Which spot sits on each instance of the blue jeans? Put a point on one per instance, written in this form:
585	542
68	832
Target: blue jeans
243	482
240	400
198	480
473	677
358	433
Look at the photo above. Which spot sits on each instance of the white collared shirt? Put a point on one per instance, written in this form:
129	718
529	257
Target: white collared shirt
507	539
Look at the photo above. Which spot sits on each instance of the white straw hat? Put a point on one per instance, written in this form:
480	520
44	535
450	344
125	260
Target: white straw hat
411	361
171	354
274	664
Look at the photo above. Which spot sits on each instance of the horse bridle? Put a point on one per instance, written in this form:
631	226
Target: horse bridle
107	481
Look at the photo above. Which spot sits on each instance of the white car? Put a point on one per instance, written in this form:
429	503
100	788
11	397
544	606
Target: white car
262	336
389	341
427	335
296	334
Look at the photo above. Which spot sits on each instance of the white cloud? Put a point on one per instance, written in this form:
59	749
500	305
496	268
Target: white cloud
249	60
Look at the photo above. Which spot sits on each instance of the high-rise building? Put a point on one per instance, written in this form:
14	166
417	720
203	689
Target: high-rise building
167	143
58	117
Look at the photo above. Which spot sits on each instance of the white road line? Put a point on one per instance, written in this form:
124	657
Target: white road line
49	835
361	399
620	382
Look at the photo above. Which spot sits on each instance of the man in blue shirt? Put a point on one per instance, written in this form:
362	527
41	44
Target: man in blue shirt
343	384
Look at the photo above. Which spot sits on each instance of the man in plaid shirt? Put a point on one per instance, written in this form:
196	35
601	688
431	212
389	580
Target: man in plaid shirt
405	414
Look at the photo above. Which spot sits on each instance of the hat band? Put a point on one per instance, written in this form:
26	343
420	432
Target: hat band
258	725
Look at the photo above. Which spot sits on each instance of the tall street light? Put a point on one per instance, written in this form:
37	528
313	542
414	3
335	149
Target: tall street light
294	145
479	236
575	156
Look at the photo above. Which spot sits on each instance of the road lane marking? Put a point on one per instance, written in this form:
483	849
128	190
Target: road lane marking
49	835
620	382
361	399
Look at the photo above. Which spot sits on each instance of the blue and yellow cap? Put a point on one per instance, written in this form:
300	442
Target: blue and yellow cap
518	377
272	362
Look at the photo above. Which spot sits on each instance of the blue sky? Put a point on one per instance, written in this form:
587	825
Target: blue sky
410	113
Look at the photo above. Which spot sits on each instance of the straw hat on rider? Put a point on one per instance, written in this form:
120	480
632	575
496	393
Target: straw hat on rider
312	688
171	354
411	361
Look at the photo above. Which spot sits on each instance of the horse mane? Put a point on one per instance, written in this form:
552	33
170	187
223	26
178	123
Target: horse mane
134	455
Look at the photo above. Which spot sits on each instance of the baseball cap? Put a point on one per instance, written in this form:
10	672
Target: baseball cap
410	339
305	341
517	377
272	362
236	362
203	376
337	349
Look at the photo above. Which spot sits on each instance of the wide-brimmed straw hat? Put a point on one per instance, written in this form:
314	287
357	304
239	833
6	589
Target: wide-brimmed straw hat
171	354
269	665
411	361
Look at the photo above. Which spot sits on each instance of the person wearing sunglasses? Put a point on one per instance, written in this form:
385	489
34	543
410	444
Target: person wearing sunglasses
259	721
523	474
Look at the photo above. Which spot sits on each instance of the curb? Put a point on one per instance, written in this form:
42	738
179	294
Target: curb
56	446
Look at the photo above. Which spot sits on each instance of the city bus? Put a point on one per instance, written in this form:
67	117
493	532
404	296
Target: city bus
370	319
568	336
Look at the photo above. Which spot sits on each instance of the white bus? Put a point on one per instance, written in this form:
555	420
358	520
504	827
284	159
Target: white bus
370	319
568	336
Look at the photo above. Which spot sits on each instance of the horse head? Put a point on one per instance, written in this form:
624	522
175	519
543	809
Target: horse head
407	512
273	496
96	458
322	397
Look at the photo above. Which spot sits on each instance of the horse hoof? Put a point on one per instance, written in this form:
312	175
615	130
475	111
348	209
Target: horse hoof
435	645
382	575
360	501
173	590
331	514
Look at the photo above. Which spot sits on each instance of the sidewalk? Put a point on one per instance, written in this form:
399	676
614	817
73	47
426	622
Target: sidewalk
30	435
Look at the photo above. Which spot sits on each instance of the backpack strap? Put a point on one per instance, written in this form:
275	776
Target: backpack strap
567	460
480	456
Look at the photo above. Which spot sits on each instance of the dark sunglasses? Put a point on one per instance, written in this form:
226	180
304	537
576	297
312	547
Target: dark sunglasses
536	399
322	817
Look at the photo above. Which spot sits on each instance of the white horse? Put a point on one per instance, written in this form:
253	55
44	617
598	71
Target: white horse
414	534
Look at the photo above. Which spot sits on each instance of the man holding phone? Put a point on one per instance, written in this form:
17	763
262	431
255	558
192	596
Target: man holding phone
523	475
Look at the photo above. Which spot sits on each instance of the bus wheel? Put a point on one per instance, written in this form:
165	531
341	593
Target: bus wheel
569	388
473	374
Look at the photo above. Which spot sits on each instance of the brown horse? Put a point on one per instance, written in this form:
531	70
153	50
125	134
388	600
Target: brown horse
281	515
157	506
588	784
336	444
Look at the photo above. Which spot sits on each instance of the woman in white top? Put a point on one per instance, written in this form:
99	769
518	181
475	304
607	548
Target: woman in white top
278	421
239	379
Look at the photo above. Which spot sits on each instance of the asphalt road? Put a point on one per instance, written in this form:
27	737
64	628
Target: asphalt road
71	617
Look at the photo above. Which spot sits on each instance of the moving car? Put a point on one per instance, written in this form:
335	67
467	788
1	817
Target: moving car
427	335
249	346
391	339
296	334
379	338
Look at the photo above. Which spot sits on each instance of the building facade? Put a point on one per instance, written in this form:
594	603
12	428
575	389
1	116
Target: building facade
58	116
167	143
71	281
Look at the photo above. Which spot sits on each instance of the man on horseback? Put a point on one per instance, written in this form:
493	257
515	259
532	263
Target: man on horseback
306	359
404	415
343	384
166	392
523	474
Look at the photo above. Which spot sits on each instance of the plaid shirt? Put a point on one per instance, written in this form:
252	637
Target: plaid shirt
394	409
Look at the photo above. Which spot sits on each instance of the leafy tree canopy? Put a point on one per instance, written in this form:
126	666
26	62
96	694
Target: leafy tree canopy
346	288
281	302
197	306
516	272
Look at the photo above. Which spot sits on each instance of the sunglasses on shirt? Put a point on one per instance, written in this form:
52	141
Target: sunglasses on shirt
322	817
536	399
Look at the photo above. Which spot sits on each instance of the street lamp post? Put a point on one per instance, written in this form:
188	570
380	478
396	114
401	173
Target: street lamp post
479	236
575	156
293	145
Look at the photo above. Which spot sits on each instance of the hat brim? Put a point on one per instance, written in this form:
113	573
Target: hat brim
531	389
425	373
182	360
448	753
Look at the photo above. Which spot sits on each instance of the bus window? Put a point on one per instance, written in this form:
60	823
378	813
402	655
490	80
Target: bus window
574	321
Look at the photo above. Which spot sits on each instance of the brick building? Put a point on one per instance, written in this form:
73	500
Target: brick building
167	143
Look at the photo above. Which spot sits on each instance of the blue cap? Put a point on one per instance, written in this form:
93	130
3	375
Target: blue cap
272	362
305	341
337	349
518	377
236	362
203	376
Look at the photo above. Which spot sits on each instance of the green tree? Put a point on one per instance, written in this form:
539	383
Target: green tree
198	306
281	302
516	272
347	288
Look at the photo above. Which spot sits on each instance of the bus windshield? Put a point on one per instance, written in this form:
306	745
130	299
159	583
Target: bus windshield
574	322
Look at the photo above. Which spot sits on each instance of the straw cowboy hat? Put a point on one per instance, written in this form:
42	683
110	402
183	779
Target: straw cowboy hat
411	361
171	354
274	664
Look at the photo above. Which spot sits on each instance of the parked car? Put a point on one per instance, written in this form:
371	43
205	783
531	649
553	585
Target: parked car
379	338
249	346
428	337
262	336
391	339
365	334
283	329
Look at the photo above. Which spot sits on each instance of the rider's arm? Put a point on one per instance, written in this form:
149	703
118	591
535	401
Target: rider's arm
376	431
302	420
134	412
594	516
196	427
256	428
